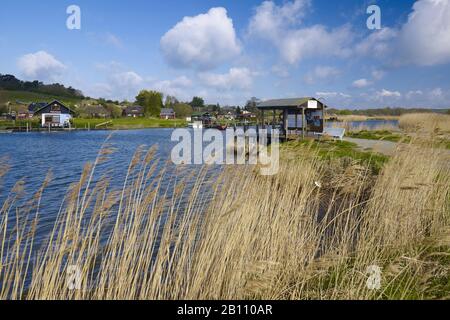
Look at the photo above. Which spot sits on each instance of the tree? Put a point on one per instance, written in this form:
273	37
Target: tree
251	105
170	101
182	110
197	103
152	101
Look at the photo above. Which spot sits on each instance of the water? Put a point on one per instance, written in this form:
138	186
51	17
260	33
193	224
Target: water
31	156
371	124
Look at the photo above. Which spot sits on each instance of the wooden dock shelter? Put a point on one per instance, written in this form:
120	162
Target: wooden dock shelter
306	114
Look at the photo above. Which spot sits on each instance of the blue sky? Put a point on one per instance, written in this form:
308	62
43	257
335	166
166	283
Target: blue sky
229	51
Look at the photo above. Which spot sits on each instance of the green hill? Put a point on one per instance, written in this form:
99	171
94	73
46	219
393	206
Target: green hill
26	97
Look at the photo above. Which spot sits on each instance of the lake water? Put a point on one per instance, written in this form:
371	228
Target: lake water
371	124
31	156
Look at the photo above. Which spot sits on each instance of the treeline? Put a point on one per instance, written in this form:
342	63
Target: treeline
154	101
10	82
384	111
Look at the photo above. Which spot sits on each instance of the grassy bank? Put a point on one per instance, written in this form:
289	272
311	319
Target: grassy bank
129	123
116	124
310	232
379	135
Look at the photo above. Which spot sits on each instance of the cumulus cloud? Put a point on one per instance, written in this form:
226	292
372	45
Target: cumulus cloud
387	94
280	26
178	87
321	73
316	41
235	78
361	83
40	66
270	20
119	85
201	42
424	40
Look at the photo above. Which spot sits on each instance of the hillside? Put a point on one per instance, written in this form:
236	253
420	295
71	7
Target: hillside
26	97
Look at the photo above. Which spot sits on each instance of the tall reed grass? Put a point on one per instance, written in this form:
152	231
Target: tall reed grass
425	122
309	232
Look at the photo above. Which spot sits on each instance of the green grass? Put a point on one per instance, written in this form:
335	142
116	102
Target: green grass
328	150
129	123
117	124
378	135
28	97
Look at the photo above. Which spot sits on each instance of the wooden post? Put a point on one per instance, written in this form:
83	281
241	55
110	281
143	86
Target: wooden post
285	123
296	122
303	123
323	116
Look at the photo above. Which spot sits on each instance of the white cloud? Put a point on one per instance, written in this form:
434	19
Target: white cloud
425	39
437	92
361	83
119	85
235	78
201	42
315	41
179	87
269	19
279	26
40	66
333	95
387	94
321	73
378	43
413	94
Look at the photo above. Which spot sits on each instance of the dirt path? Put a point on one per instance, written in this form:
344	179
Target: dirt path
380	146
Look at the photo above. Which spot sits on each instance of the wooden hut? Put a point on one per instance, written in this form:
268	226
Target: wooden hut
306	114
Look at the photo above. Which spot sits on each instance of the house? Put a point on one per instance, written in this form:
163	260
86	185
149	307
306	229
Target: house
306	113
55	114
95	111
167	113
134	111
35	106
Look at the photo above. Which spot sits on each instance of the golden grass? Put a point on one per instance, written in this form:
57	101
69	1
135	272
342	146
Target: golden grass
309	232
425	122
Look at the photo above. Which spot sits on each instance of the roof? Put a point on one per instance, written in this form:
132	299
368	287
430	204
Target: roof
36	106
54	102
201	114
285	103
134	109
167	111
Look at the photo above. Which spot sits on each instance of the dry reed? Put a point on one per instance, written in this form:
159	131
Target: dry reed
308	232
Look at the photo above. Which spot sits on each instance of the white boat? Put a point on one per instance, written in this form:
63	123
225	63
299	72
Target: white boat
196	125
